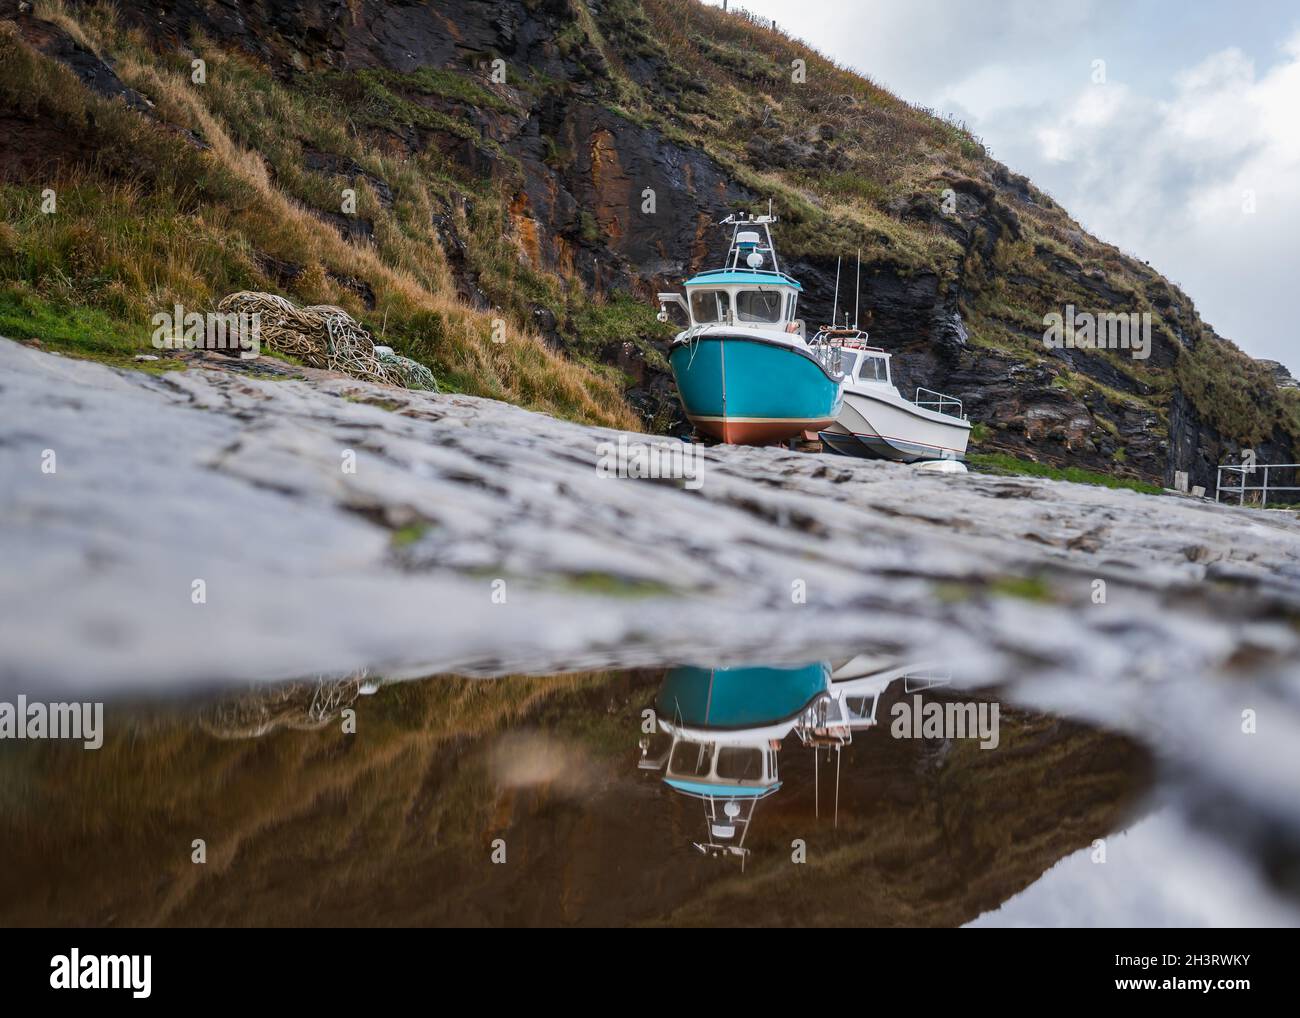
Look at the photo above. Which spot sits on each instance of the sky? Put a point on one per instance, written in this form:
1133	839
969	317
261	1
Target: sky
1182	147
1159	873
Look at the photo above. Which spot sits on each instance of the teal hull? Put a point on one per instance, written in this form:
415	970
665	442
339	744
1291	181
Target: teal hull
750	391
739	697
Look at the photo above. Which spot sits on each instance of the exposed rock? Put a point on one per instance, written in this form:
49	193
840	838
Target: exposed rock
339	166
364	291
351	227
1198	449
1280	374
93	72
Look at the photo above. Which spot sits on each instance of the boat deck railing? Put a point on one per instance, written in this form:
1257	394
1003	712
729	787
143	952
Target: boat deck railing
1263	488
921	679
823	723
939	401
828	351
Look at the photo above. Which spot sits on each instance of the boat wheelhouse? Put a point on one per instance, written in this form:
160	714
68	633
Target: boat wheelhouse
745	369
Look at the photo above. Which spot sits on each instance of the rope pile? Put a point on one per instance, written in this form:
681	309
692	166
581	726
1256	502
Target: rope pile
325	336
414	375
303	706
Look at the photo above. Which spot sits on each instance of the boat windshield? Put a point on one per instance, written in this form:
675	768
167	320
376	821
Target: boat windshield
692	758
709	306
740	763
848	358
758	306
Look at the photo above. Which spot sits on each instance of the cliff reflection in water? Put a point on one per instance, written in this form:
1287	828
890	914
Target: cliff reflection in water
306	824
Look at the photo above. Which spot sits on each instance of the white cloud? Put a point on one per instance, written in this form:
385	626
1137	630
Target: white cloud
1157	160
1174	180
1158	873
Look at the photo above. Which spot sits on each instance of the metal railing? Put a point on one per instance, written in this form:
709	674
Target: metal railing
828	352
920	680
1240	489
943	403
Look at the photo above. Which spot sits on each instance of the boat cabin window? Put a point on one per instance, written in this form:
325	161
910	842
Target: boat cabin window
758	306
874	369
709	306
740	763
860	707
694	759
848	358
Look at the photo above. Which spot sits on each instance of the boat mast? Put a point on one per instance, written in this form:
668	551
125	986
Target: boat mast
771	248
839	750
857	290
835	307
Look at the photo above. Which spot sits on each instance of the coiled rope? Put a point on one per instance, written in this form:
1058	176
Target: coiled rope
325	336
304	706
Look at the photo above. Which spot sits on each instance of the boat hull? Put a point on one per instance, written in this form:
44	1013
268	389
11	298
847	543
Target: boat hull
750	391
880	427
746	699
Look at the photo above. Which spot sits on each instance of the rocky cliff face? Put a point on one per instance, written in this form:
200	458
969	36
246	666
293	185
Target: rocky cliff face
545	127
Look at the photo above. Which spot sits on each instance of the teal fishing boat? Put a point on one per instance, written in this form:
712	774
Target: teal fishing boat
726	727
746	372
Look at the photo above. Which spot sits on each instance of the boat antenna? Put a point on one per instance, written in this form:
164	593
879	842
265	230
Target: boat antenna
835	307
839	749
857	290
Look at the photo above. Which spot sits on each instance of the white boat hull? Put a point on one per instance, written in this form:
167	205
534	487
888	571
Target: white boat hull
877	422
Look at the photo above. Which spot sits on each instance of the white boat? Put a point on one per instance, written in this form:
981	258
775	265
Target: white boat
854	695
876	421
852	705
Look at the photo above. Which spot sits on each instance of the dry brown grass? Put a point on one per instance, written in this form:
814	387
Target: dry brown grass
147	243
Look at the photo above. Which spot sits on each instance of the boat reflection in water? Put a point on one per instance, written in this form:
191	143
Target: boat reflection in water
720	731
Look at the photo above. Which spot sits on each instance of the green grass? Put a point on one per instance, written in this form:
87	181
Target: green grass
852	185
378	403
1009	466
620	318
608	585
82	331
405	536
379	98
448	84
1027	588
